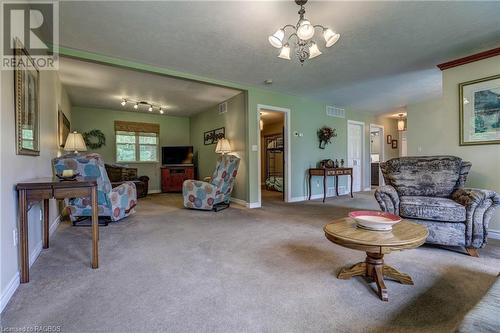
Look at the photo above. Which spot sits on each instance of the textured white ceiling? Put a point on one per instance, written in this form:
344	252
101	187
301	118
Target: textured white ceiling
100	86
385	58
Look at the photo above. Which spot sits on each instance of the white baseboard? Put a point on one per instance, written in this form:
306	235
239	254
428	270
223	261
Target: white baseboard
154	191
495	234
35	252
253	205
239	202
9	291
367	189
342	191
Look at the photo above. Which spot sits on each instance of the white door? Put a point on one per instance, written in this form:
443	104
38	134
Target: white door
355	135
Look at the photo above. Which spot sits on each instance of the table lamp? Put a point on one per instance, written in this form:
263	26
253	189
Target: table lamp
75	142
223	147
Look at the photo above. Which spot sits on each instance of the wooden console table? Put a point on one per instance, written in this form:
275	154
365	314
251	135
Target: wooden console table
43	189
325	172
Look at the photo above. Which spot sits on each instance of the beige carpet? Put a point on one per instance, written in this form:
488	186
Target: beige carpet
240	270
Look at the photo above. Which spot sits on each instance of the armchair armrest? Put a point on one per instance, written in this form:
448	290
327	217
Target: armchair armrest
123	200
200	195
388	199
479	208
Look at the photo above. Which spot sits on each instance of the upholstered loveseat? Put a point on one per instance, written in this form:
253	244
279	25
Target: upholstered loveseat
430	190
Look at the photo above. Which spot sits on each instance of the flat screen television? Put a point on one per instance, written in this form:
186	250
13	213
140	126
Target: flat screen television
177	155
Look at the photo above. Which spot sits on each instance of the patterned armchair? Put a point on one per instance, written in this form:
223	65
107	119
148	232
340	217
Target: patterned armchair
215	194
430	190
115	203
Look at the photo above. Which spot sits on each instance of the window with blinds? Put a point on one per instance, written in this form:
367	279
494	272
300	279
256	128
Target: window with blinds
136	142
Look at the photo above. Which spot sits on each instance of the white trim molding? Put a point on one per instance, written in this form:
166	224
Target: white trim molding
495	234
35	252
154	191
254	205
9	291
239	202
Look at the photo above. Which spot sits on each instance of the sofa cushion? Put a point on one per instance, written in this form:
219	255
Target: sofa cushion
431	208
433	176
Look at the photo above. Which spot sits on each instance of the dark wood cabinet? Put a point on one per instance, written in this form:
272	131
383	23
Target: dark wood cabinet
172	177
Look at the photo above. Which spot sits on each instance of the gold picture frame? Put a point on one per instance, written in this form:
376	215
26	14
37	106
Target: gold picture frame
27	102
479	111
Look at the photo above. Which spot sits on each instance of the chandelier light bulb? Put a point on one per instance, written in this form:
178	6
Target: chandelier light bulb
161	111
285	52
136	106
314	51
124	102
305	31
276	39
150	108
331	37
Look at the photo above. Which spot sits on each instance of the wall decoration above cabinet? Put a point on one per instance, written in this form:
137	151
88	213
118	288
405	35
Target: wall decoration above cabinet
94	139
325	135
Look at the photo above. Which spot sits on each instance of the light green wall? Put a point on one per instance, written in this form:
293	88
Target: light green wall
433	128
174	131
306	116
235	125
390	128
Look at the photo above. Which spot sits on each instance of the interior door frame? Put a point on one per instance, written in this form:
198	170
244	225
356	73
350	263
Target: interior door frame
287	169
363	167
382	152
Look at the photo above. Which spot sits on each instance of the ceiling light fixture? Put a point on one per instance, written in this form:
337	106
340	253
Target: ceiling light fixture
401	122
303	31
151	106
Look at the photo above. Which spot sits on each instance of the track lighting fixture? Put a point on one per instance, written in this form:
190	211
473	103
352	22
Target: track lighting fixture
138	103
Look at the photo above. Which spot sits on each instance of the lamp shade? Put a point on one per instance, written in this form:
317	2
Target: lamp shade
314	51
276	39
75	142
330	37
223	146
285	52
305	31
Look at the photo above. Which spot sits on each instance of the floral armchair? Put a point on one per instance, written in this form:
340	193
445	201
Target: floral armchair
115	203
430	190
215	194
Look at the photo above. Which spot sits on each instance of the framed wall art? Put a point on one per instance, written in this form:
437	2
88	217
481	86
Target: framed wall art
27	102
394	144
479	102
211	137
389	139
63	127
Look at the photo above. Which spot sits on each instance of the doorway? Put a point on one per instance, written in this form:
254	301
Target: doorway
355	152
377	145
274	154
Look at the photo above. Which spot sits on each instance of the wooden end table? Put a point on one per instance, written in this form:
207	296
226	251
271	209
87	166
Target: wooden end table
326	172
404	235
43	189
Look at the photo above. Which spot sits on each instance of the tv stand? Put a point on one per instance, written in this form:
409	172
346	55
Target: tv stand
173	175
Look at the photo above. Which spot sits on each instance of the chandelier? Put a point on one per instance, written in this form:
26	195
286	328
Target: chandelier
303	32
150	106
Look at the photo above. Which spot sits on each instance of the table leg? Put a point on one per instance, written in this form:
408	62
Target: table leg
351	186
310	179
324	185
374	268
336	185
95	229
23	237
46	223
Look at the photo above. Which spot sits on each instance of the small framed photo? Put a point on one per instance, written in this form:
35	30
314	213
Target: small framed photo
209	137
219	133
394	144
389	139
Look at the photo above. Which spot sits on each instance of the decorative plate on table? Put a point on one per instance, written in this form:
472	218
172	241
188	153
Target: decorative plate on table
374	220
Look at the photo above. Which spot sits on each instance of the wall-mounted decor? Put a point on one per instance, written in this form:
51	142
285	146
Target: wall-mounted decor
63	127
27	99
394	144
325	135
94	139
479	102
211	137
389	139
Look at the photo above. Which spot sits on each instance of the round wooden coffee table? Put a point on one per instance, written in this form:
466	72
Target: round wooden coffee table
404	235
